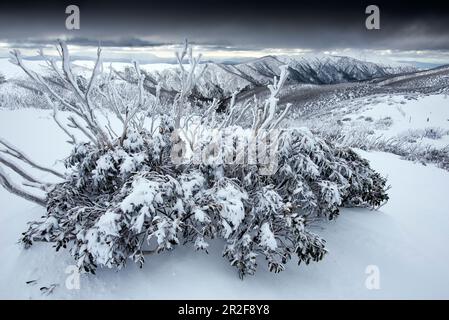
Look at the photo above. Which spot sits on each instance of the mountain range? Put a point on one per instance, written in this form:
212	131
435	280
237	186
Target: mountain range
221	80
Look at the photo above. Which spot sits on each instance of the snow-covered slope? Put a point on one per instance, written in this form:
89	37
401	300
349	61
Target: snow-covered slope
428	78
409	117
405	115
329	69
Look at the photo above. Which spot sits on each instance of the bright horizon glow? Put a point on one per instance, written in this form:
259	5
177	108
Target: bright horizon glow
165	53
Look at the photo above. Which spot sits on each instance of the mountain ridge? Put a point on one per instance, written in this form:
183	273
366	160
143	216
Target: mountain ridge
224	79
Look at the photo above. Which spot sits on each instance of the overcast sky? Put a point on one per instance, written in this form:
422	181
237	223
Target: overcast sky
233	29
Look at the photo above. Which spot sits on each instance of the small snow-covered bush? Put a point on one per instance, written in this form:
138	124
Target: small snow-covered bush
138	192
384	123
434	133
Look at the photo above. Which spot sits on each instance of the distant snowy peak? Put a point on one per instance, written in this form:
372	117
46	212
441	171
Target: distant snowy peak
327	69
223	79
318	69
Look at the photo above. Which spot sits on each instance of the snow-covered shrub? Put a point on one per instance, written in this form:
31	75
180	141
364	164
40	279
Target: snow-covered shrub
429	154
2	79
126	196
384	123
434	133
132	200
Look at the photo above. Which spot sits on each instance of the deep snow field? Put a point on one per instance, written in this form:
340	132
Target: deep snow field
406	239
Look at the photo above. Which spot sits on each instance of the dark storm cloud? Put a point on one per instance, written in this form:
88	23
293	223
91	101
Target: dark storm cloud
250	24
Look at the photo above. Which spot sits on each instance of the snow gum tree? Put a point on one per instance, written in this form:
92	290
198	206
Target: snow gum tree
127	194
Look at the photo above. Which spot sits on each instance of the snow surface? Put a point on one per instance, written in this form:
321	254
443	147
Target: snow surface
409	116
406	239
391	116
429	111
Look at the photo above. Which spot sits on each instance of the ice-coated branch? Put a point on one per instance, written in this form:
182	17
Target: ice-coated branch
83	108
112	97
58	122
131	111
11	187
84	98
76	125
281	117
243	111
67	69
264	118
36	185
272	101
98	68
232	108
16	153
140	80
20	171
16	59
188	79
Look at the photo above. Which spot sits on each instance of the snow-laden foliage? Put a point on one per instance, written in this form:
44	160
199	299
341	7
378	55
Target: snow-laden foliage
131	201
145	190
